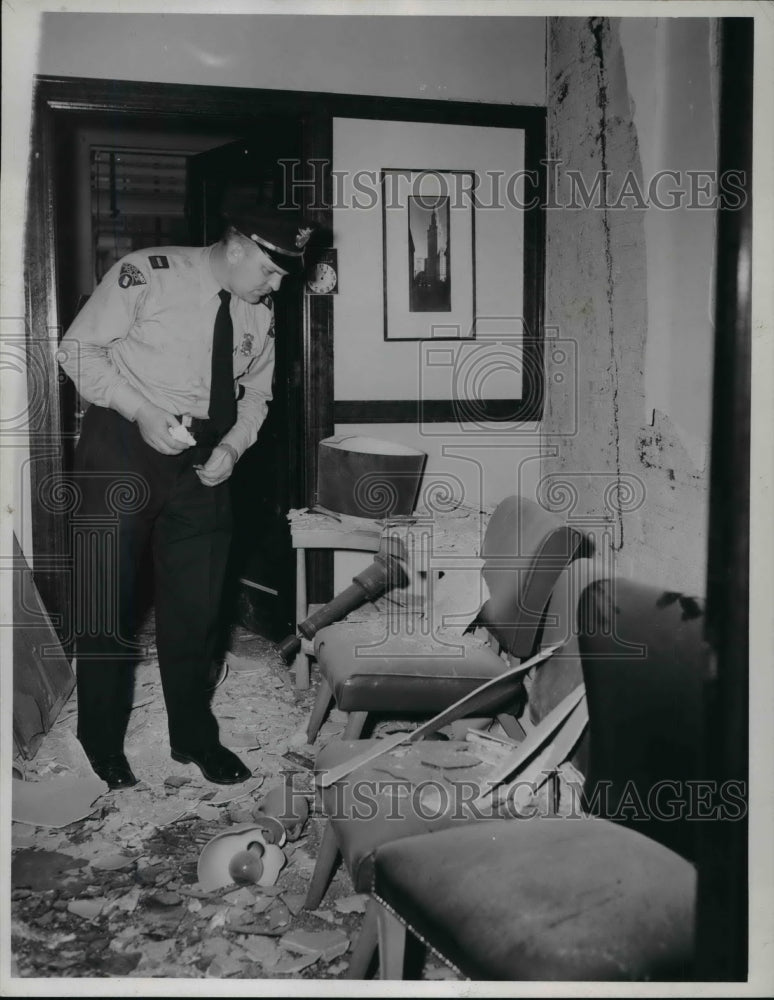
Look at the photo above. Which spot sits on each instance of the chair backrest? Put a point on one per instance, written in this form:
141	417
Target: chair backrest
524	550
643	658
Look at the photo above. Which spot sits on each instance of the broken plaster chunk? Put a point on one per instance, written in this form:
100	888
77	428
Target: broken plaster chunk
218	920
165	898
240	814
87	909
176	781
298	739
329	944
240	739
279	915
126	903
216	947
112	862
303	862
352	904
292	965
165	812
238	791
154	953
262	903
294	901
241	897
221	968
57	802
261	949
236	915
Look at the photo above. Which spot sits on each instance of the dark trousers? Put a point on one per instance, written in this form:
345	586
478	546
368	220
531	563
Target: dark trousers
132	497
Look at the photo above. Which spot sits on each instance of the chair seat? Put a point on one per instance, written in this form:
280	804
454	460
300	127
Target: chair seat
365	667
395	796
545	899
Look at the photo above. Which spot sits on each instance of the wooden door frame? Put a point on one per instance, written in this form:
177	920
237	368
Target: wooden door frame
56	98
722	924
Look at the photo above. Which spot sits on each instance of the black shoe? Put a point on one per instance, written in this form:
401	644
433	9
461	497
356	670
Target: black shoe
114	769
216	763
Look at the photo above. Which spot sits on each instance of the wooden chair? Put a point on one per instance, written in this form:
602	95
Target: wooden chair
354	838
610	893
523	552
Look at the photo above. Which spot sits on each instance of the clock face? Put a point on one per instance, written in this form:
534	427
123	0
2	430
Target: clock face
322	280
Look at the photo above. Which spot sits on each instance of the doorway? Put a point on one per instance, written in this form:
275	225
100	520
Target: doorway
120	167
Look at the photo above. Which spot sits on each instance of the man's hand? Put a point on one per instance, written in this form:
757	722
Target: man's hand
155	424
219	466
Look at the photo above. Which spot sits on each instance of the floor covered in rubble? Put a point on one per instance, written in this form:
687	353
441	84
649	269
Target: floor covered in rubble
116	892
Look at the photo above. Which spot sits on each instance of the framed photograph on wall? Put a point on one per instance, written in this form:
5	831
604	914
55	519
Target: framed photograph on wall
429	254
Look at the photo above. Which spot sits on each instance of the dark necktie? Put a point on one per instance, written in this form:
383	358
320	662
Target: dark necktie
222	402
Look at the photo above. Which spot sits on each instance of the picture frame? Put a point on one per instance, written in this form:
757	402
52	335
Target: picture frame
429	253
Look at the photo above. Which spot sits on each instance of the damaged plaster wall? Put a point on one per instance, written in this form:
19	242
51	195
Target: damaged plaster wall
629	292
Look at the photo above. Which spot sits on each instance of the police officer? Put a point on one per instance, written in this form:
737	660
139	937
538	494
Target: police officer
160	351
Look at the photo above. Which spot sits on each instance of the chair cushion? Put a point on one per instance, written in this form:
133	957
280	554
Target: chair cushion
545	898
370	670
414	789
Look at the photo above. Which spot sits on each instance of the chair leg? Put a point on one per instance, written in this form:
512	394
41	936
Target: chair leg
327	857
300	670
365	946
355	724
320	710
392	944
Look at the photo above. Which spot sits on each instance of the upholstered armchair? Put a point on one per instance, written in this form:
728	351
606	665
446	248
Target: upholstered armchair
607	893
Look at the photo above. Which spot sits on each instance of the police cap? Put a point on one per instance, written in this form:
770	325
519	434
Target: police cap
281	234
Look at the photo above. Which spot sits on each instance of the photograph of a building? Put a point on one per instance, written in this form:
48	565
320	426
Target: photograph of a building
429	254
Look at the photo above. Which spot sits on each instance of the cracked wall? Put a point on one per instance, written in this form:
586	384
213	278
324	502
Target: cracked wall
629	291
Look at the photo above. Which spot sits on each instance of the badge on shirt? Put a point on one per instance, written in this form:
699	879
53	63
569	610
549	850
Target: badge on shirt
130	275
158	262
268	301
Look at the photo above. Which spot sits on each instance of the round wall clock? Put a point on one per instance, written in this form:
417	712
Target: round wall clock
323	276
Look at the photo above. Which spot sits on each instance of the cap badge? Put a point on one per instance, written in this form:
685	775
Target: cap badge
302	237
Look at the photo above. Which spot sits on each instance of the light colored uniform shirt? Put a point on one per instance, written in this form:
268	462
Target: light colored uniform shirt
146	334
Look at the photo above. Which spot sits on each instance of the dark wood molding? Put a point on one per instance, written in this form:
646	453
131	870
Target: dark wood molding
533	389
434	411
194	101
50	542
723	872
317	402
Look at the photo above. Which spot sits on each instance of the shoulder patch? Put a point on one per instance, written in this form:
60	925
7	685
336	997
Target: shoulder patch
130	275
158	261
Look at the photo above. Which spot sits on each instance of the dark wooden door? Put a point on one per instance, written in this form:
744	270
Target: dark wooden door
267	481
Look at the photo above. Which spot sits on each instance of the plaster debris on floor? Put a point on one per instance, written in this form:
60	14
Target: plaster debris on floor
105	884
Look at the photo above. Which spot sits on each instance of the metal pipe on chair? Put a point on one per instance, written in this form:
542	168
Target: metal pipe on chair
386	572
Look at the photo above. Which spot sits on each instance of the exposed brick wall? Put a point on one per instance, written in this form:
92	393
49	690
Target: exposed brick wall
633	482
